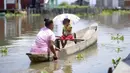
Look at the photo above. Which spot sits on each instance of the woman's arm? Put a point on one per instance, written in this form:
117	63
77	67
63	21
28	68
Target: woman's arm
51	43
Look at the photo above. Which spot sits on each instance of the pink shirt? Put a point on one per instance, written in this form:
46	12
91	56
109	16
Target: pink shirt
42	41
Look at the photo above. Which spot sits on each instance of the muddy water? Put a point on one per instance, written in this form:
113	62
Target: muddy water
18	33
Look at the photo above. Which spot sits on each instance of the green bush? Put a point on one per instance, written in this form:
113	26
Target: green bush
106	12
71	6
64	4
110	12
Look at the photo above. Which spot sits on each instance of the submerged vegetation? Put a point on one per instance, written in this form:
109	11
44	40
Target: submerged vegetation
16	13
13	14
10	14
118	50
4	51
115	62
44	72
35	14
85	15
104	13
117	37
110	12
79	56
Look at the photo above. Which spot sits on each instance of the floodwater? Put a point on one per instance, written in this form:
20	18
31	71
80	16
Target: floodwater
18	33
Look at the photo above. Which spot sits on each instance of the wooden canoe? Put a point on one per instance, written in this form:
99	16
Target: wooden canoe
85	38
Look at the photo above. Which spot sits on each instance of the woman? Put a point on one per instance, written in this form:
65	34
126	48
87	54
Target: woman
44	42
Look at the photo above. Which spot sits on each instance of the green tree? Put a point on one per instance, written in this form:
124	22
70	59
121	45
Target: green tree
64	4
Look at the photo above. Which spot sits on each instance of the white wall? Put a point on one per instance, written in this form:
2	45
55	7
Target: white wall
10	1
105	3
46	1
115	3
92	2
5	5
19	4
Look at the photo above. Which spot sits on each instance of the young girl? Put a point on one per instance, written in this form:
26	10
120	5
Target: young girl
67	32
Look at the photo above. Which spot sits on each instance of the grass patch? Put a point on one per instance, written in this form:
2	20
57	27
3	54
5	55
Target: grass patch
85	15
19	14
106	12
123	11
72	6
35	14
13	14
110	12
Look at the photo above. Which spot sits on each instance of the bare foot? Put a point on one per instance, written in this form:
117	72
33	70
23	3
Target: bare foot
55	58
57	49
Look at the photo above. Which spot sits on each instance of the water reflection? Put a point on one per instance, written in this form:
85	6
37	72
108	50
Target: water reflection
66	64
18	33
116	20
53	67
16	26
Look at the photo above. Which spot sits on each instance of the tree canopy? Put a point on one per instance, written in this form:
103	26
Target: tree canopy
64	4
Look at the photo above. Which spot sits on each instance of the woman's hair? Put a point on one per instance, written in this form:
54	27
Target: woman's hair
66	20
47	22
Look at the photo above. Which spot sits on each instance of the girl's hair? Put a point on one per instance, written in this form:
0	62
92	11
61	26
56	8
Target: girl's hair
66	20
47	22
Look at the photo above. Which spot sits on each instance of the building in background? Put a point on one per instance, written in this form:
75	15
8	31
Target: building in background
127	4
80	2
111	3
92	3
122	3
20	4
7	4
2	30
99	3
23	4
36	3
106	3
85	2
52	3
13	4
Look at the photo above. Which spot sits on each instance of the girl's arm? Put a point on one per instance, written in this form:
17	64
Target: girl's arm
69	29
63	32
